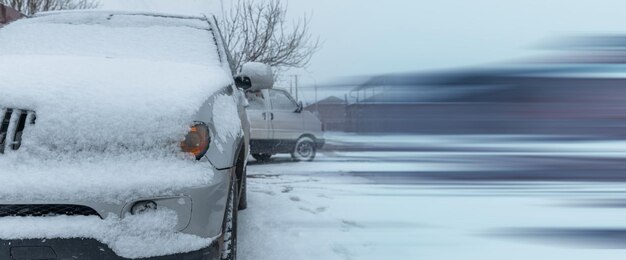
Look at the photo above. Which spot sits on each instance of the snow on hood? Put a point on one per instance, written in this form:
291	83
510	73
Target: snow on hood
113	96
97	78
94	102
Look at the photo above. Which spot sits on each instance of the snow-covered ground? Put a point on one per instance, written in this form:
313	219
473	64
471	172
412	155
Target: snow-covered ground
423	204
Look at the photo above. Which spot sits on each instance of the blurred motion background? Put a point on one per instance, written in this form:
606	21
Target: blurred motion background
449	67
581	95
490	129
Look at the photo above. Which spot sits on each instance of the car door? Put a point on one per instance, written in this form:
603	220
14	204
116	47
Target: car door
287	122
258	113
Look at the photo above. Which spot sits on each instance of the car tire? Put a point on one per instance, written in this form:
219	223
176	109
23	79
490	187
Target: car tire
262	157
229	227
304	150
243	197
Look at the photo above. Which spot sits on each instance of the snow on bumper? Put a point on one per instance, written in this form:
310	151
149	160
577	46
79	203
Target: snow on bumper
145	235
191	197
104	179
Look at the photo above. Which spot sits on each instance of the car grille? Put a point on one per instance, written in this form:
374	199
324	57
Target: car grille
46	210
14	121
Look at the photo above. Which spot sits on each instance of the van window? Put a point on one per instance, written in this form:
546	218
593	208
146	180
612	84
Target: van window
256	100
282	101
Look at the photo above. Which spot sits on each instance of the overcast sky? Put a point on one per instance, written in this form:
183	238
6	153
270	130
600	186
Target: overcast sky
369	36
363	37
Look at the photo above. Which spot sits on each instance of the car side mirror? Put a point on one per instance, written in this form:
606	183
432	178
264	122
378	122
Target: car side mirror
255	76
300	107
243	82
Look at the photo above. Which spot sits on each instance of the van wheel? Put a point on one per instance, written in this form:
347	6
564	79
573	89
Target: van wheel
305	150
262	157
229	227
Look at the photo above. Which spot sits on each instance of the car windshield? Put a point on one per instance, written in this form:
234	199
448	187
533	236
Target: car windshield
99	34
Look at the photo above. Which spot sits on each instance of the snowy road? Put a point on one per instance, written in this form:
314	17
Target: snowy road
428	205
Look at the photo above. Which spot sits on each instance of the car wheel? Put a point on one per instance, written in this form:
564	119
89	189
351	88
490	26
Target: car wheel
243	197
229	227
304	150
262	157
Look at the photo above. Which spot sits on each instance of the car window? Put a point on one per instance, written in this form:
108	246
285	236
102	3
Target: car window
256	100
282	101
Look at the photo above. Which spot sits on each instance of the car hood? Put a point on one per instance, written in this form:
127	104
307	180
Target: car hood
86	102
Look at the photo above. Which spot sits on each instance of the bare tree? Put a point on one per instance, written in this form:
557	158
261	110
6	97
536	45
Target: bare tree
29	7
259	31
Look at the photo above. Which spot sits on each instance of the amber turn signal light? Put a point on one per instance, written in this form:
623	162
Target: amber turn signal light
197	141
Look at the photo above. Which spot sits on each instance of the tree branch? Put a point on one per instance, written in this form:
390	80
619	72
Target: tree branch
258	31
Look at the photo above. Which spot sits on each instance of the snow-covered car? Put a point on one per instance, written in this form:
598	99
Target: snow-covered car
123	136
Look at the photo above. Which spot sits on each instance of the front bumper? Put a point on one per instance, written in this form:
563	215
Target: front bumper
53	249
201	208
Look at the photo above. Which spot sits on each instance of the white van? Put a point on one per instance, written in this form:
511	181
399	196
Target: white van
278	124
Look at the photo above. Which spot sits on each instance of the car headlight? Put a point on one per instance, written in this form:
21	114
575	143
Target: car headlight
197	141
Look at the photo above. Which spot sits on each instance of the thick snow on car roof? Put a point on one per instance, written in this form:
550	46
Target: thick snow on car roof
112	35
